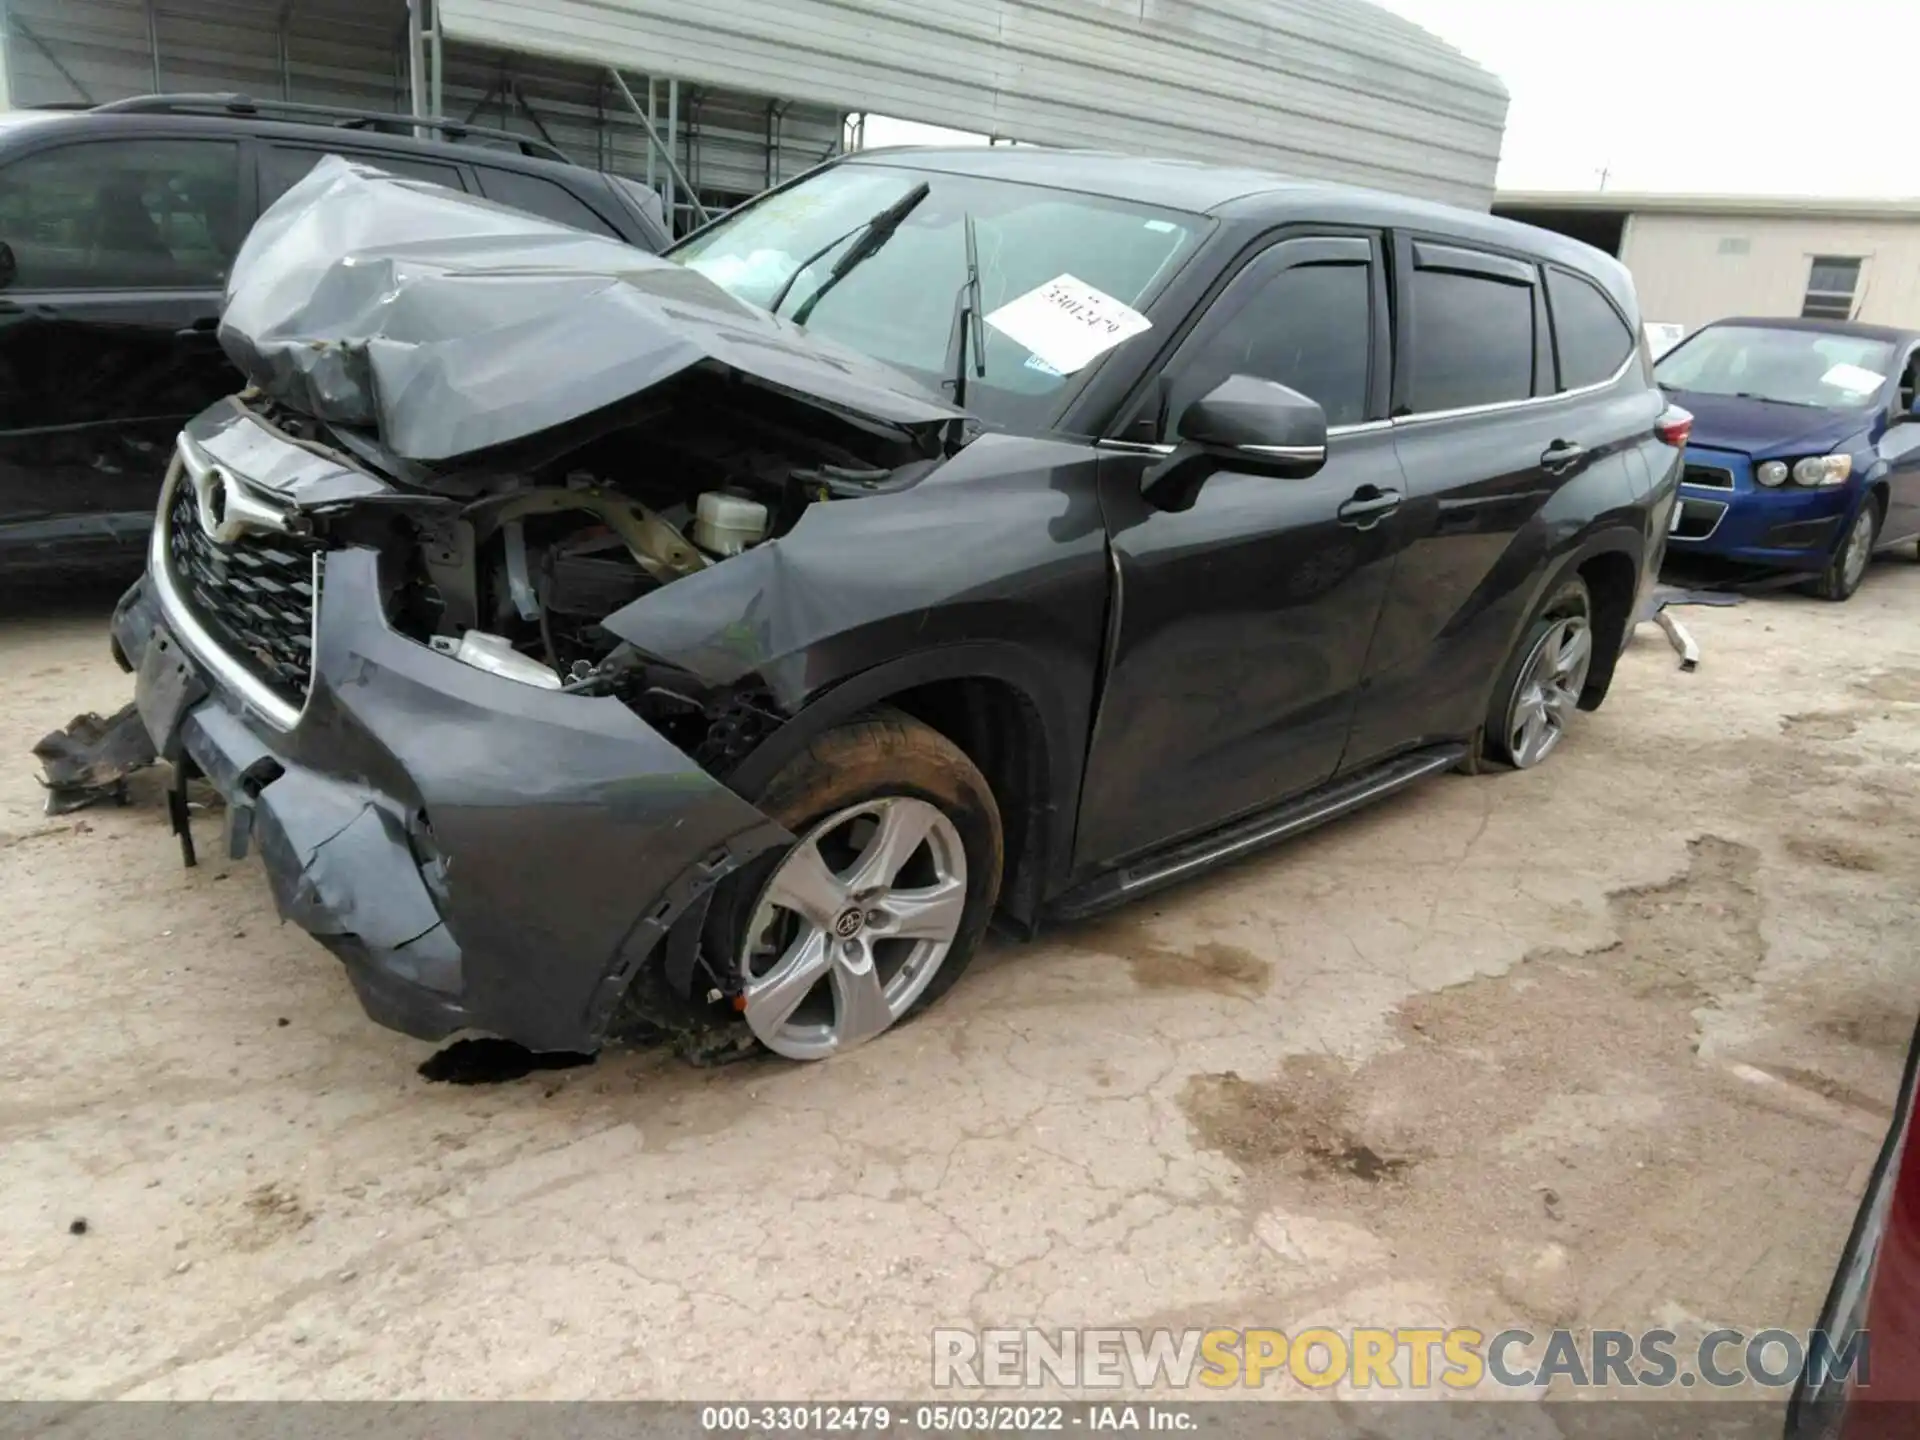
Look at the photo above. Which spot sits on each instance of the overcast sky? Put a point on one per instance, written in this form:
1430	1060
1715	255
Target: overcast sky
1809	97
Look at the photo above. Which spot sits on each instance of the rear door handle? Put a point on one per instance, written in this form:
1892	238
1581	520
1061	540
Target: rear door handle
1561	455
1368	506
204	326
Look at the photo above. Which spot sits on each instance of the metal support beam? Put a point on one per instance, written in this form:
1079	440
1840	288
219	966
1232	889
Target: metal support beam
280	41
694	102
153	45
675	180
600	125
776	111
19	27
485	100
416	80
438	70
666	154
533	116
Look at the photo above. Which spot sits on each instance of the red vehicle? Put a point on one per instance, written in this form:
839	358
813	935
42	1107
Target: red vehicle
1876	1289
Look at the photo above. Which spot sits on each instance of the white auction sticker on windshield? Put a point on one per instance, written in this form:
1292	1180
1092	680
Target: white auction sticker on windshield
1067	323
1852	378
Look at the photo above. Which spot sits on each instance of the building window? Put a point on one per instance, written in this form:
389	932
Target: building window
1831	283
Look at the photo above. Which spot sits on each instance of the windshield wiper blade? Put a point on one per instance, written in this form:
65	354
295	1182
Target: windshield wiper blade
1776	400
967	340
874	232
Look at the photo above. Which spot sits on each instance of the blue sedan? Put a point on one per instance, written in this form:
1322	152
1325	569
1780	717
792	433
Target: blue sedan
1805	451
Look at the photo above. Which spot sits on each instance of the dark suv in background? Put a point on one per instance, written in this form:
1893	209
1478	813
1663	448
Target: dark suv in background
117	228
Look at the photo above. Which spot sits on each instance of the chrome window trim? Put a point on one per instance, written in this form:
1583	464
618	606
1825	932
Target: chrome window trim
190	633
1334	432
1420	417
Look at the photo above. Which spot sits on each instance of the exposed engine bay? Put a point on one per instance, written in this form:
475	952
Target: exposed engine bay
647	428
512	565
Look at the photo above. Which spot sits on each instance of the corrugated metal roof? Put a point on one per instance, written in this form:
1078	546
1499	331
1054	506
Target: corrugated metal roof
1324	89
352	53
1799	207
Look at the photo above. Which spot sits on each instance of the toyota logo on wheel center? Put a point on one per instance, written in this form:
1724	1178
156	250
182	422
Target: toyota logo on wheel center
849	923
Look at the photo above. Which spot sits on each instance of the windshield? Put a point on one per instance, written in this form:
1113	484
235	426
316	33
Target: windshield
1793	367
898	304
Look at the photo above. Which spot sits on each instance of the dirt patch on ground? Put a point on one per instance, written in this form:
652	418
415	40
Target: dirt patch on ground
1816	726
1300	1116
1559	1107
1210	965
268	1214
1828	850
1901	684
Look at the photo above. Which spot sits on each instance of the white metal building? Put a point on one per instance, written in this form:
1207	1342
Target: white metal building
745	93
1697	258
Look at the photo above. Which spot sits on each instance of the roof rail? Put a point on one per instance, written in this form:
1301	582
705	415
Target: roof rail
336	116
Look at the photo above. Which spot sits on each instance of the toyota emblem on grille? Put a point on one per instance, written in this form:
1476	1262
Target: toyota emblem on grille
226	510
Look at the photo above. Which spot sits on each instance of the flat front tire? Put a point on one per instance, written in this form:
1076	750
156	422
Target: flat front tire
876	909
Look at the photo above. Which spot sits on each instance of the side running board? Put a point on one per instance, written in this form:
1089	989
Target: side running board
1242	837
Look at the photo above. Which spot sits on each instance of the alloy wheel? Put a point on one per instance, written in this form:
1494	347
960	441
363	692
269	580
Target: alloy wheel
1549	690
1853	564
852	925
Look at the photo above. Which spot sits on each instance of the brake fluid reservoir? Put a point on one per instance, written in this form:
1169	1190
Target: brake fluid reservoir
726	524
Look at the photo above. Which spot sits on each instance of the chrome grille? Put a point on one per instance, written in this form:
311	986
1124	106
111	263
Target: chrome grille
255	596
1713	476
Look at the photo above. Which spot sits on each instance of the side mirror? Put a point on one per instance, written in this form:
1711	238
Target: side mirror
1243	423
1258	420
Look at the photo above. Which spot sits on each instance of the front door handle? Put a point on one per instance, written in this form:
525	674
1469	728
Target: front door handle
1368	506
205	325
1561	456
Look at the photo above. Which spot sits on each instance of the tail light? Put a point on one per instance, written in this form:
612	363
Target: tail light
1674	426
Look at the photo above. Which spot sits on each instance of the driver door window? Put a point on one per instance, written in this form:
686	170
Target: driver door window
1301	314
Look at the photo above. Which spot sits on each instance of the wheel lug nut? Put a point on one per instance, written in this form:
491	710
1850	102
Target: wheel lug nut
876	917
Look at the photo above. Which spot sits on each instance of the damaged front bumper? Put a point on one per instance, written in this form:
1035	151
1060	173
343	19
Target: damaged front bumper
481	853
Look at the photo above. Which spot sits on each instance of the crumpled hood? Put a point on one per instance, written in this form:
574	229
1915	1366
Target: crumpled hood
1765	429
453	324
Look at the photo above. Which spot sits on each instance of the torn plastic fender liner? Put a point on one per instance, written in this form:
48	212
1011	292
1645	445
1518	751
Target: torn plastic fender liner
454	324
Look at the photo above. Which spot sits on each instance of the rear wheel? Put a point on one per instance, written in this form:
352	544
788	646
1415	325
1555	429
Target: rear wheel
1847	566
1540	689
878	906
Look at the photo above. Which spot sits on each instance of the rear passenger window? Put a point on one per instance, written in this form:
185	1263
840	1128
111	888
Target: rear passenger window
1590	338
284	166
1472	341
123	214
541	197
1307	327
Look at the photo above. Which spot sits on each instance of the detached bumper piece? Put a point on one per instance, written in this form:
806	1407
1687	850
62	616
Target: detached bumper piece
479	853
88	762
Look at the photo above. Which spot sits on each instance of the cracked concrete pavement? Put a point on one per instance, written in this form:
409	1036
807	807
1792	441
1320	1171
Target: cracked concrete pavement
1611	1043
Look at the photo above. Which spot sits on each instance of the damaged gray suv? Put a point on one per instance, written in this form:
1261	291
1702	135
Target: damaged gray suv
590	641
